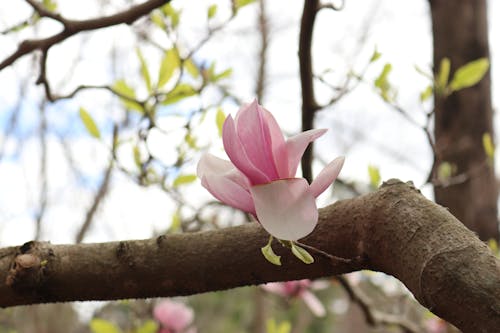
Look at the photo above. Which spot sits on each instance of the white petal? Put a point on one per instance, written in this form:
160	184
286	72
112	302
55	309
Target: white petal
286	208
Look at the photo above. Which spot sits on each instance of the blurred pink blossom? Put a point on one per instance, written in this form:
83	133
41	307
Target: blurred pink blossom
260	179
436	325
298	289
174	317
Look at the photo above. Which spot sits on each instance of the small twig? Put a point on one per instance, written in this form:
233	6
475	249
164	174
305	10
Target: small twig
332	257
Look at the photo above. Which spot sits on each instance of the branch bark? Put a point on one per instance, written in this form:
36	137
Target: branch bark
394	230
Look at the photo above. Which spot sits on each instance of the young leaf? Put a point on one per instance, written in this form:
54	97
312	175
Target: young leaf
212	10
241	3
149	326
273	327
445	171
103	326
169	64
220	117
137	156
184	179
176	221
89	123
157	19
223	75
180	92
489	147
191	68
443	75
469	74
144	70
268	253
426	94
302	254
121	88
375	56
374	174
171	13
382	83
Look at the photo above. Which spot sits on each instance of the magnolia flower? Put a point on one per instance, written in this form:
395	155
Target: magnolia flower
174	317
260	179
297	289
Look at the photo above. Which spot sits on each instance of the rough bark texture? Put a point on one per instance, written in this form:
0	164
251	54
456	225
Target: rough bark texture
461	33
394	230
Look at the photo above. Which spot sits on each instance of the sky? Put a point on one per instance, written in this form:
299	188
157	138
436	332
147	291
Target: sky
361	127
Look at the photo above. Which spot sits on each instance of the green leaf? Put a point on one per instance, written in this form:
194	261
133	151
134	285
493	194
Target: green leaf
268	253
144	70
223	75
469	74
238	4
103	326
149	326
375	56
191	141
180	92
426	94
382	83
191	68
302	254
489	147
89	123
220	117
273	327
171	13
374	174
157	19
50	5
184	179
176	221
137	157
443	75
212	10
121	88
169	64
445	171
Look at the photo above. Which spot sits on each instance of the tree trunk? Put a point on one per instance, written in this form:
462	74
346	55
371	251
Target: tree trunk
460	32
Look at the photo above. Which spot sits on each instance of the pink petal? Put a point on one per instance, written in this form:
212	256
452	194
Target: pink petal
285	208
313	303
296	146
225	183
210	164
277	288
327	176
173	315
236	152
280	153
253	130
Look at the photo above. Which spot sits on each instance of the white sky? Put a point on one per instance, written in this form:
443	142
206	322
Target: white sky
361	127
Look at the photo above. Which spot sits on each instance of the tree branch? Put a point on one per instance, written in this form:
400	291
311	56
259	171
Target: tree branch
395	230
309	104
73	27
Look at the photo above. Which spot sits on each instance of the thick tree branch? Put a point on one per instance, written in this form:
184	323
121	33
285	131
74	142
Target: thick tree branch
73	27
395	230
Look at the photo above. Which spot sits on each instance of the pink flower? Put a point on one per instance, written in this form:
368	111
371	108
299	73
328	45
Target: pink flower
436	325
300	289
260	179
174	317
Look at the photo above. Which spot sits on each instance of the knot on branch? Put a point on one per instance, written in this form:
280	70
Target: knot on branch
26	272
